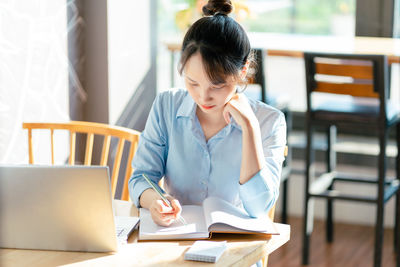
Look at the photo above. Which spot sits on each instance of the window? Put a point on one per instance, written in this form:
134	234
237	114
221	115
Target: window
320	17
396	26
33	74
313	17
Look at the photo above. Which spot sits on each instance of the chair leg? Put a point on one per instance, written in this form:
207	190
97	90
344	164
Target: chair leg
289	126
397	206
396	227
331	153
284	201
286	163
329	218
330	166
380	203
308	202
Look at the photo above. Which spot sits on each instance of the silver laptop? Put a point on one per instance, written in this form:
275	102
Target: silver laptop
58	208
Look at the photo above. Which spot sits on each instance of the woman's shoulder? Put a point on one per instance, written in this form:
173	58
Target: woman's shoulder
171	100
269	118
263	110
174	95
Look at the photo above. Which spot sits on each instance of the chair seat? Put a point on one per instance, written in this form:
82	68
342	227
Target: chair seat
352	109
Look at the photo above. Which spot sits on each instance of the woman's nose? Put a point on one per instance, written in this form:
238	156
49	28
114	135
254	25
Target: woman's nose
205	94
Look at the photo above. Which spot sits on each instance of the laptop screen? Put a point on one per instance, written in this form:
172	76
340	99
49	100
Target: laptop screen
56	208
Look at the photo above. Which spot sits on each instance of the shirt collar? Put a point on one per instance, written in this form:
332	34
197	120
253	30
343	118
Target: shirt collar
234	124
187	108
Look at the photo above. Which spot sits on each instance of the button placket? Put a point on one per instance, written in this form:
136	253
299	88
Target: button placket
204	179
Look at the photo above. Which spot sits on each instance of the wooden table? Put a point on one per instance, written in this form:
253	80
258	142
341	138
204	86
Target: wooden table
242	251
294	45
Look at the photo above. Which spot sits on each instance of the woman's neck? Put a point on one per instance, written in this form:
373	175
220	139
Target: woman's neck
215	118
211	123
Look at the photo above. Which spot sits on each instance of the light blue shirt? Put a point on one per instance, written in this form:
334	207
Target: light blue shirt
173	146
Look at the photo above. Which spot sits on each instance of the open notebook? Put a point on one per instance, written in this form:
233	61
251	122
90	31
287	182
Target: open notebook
214	216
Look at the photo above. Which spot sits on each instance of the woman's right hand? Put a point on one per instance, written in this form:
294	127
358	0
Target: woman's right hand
164	215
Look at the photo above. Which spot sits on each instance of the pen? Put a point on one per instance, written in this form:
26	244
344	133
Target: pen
180	218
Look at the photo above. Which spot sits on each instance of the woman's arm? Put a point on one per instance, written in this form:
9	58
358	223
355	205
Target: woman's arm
263	144
252	149
150	160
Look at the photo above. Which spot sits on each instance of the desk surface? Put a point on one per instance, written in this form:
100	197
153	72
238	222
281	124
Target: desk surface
294	45
242	251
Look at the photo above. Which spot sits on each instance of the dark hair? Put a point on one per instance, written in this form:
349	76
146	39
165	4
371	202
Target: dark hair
221	41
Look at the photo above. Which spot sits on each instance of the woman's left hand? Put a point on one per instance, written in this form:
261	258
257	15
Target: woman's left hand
239	108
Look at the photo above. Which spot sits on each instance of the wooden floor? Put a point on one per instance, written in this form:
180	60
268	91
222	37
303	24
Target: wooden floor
353	246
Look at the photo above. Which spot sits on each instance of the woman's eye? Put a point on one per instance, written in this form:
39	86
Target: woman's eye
193	84
219	87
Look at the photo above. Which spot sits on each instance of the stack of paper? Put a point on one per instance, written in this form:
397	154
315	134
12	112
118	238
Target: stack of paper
208	251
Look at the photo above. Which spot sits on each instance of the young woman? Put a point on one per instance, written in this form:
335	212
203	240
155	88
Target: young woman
210	140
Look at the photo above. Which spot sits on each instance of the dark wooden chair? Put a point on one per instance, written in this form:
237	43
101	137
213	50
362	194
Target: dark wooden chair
282	105
360	77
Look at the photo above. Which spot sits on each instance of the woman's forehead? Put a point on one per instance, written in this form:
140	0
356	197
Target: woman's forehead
195	71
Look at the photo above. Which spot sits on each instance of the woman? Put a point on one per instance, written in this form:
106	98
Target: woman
210	140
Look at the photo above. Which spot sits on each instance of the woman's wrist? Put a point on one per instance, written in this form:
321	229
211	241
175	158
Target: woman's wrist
252	154
251	126
147	197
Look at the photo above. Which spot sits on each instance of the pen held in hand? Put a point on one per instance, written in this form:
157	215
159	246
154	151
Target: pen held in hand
166	201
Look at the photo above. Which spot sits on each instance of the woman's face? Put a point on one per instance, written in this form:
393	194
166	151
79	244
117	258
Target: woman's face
210	98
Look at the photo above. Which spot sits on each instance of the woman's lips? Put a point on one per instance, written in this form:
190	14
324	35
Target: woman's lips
207	107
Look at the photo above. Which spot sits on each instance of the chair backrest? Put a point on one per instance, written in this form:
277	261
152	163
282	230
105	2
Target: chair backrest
91	129
347	74
257	74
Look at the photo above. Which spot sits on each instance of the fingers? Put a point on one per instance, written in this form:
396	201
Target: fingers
164	215
177	208
235	96
230	111
239	109
159	215
226	115
162	207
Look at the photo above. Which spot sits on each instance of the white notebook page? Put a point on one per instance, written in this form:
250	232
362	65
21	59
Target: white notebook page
218	211
196	226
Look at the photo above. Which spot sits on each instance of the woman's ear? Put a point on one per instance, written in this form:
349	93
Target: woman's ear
245	69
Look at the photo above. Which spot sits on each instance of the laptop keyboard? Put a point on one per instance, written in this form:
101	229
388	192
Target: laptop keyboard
124	226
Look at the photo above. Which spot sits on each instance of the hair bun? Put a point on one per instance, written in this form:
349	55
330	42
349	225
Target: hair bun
213	7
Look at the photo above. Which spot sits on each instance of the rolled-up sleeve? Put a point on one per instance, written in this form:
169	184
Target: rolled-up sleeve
151	153
260	193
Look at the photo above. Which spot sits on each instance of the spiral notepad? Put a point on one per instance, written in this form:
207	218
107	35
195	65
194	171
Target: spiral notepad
208	251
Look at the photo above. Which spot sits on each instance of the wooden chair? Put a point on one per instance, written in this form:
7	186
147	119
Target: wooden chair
275	101
91	129
356	76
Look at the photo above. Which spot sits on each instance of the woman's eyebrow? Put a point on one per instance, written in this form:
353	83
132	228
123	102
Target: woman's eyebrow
219	84
191	79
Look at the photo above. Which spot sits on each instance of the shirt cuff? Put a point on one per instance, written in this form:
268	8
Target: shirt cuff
137	185
257	194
